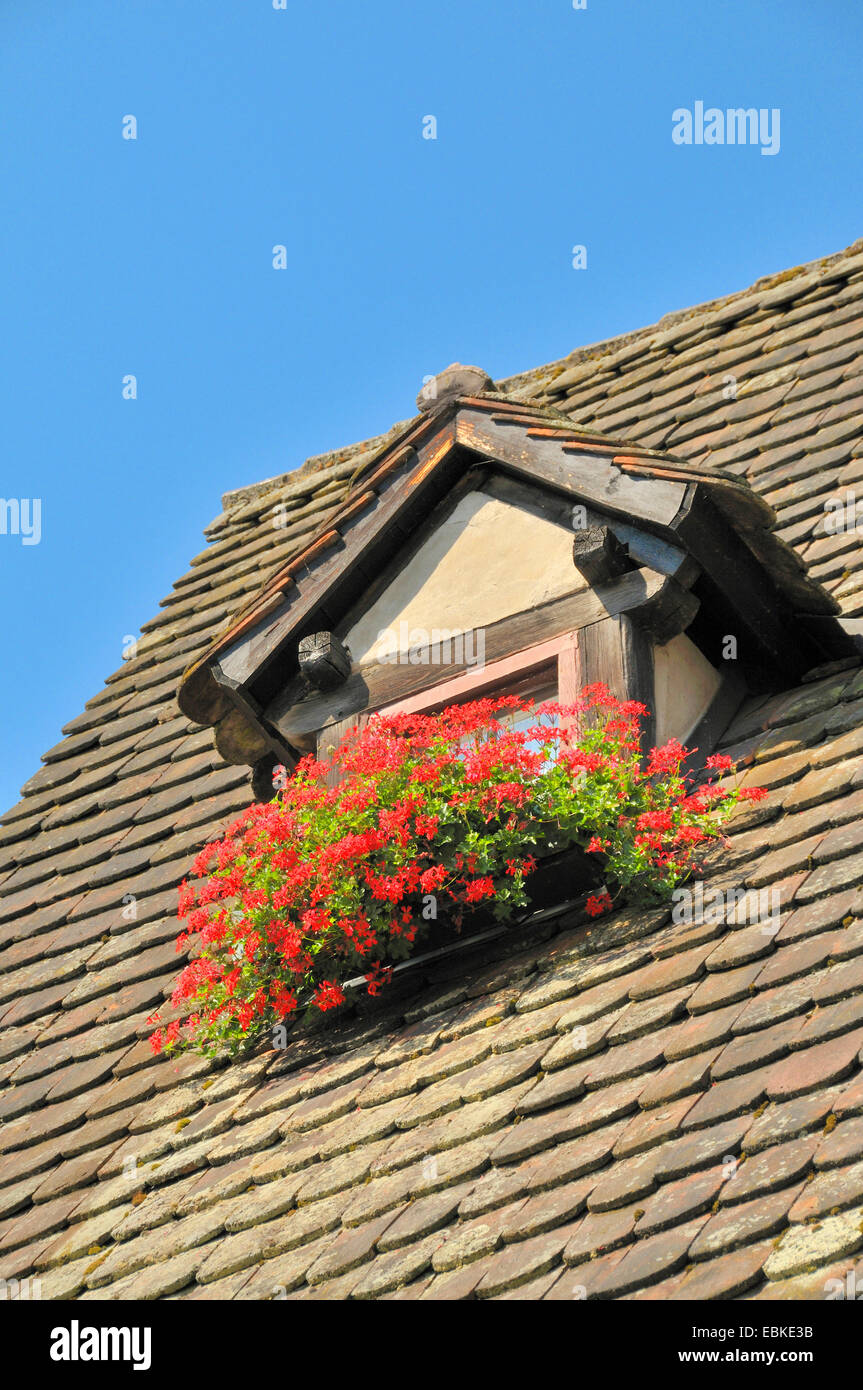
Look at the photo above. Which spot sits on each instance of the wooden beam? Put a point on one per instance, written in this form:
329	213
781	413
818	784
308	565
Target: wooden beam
248	708
619	653
509	672
569	680
584	476
667	613
763	618
239	740
330	738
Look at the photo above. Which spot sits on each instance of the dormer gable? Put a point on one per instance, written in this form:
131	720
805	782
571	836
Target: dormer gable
491	542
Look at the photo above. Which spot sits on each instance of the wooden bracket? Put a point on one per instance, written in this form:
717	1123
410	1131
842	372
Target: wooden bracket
243	735
239	740
667	612
599	555
323	660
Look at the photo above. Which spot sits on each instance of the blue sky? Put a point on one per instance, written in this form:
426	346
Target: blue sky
303	127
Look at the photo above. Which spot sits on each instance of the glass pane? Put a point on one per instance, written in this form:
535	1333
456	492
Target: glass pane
540	689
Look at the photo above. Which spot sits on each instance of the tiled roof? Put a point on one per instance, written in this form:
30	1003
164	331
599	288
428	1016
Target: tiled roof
634	1108
789	350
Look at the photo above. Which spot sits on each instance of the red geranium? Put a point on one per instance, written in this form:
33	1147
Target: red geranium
444	811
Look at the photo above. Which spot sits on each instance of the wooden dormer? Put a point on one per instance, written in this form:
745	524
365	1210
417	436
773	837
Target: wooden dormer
495	547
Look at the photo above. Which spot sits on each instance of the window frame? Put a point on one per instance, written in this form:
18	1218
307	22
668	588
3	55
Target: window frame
559	655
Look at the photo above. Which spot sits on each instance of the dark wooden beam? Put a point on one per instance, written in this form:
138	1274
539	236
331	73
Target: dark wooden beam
619	653
245	706
761	616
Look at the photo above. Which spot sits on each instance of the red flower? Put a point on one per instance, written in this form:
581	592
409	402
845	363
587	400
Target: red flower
666	759
186	899
378	976
479	888
329	995
284	1000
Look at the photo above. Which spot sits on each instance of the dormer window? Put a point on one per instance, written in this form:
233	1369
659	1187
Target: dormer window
495	547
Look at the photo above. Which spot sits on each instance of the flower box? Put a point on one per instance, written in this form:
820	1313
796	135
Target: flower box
561	877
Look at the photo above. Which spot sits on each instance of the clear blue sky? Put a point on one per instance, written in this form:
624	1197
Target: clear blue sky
303	126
